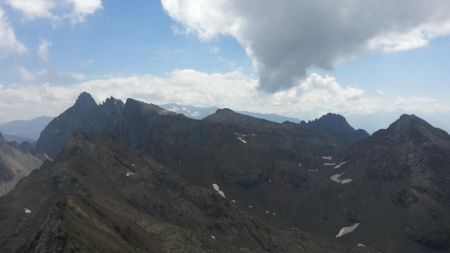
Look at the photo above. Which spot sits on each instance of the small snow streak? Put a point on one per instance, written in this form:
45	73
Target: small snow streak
27	211
336	178
241	139
329	158
217	189
339	165
345	181
347	230
48	157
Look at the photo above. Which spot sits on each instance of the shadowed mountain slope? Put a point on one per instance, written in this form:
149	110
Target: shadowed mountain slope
394	184
99	196
313	177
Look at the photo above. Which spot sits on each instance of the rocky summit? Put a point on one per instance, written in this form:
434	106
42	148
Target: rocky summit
133	177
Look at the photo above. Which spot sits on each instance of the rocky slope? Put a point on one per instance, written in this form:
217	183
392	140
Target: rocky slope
387	191
259	162
394	185
16	162
99	196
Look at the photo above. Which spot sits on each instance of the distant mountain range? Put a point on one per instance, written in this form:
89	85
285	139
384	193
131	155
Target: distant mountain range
134	177
24	130
16	162
196	112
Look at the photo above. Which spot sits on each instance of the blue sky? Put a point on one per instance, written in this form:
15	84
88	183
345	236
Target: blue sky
219	53
132	38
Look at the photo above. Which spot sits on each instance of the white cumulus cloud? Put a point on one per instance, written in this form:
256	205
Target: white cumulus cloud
56	10
8	40
32	9
286	38
310	98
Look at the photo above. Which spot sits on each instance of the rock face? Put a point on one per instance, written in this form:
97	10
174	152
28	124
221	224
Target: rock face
16	162
103	197
338	125
399	191
236	151
88	117
412	161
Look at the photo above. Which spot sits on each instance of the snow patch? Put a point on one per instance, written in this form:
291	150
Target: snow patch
361	245
250	206
339	165
329	164
129	174
213	237
299	165
241	139
346	181
217	189
347	230
312	171
27	211
267	212
336	178
48	157
329	158
234	201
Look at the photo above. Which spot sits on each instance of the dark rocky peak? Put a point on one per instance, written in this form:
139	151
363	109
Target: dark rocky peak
142	107
224	115
337	124
85	101
1	138
413	128
331	120
406	122
112	106
229	117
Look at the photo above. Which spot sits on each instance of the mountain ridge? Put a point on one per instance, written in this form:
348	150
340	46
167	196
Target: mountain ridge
318	177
